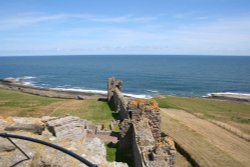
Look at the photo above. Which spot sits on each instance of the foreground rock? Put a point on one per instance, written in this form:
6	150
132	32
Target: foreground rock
37	129
68	132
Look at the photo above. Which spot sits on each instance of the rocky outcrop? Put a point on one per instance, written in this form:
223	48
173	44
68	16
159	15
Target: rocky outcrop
70	127
69	132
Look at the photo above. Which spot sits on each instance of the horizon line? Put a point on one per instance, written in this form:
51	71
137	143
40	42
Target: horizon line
198	55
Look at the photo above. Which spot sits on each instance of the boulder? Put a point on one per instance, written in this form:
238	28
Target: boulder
69	127
34	128
79	97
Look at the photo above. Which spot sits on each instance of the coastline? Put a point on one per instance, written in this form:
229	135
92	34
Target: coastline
230	96
47	92
81	95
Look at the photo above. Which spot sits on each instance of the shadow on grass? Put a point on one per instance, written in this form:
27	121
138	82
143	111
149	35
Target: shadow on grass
111	106
115	114
114	153
121	155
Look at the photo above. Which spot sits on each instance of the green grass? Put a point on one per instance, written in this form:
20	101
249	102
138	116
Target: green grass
111	153
96	111
17	99
14	103
209	108
114	153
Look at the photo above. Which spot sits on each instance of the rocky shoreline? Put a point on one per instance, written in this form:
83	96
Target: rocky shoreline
67	94
230	96
21	87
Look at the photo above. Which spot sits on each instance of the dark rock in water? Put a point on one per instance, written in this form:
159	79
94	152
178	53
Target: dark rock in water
38	129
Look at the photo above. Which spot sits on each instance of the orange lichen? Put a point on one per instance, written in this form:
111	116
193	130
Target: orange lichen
133	103
147	104
166	142
81	141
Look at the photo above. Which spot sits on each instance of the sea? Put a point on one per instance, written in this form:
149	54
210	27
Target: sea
143	76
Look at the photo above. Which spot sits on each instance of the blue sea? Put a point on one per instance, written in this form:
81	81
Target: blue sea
143	75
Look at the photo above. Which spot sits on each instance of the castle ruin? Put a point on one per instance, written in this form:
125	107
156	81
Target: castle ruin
140	129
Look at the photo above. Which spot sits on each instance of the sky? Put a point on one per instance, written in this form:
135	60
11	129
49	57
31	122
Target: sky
83	27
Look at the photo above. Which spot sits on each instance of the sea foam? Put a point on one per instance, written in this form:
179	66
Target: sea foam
228	93
81	90
100	92
25	80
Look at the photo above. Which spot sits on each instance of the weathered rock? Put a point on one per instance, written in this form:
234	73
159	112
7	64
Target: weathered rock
38	129
95	150
6	146
3	123
79	97
45	119
68	135
71	128
49	158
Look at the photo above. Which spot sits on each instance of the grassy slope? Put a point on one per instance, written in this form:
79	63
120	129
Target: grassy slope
199	148
14	103
16	99
234	113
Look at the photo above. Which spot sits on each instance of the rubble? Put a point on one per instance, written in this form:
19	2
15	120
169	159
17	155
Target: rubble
68	132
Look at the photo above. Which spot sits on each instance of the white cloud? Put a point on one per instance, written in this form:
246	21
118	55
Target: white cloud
219	36
27	19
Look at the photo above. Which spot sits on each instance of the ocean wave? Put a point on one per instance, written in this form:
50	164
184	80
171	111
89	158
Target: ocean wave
20	78
9	79
100	92
28	83
138	96
229	93
236	95
153	91
25	80
81	90
26	77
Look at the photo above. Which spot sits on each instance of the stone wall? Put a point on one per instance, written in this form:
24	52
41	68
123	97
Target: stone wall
116	98
139	109
140	129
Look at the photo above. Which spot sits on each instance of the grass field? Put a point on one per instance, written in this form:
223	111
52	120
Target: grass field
233	113
206	143
14	103
201	148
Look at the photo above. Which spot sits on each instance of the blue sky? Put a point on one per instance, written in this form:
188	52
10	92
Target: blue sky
59	27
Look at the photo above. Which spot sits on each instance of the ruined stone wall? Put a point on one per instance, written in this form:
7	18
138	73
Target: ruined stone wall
149	146
121	103
116	97
139	109
140	129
